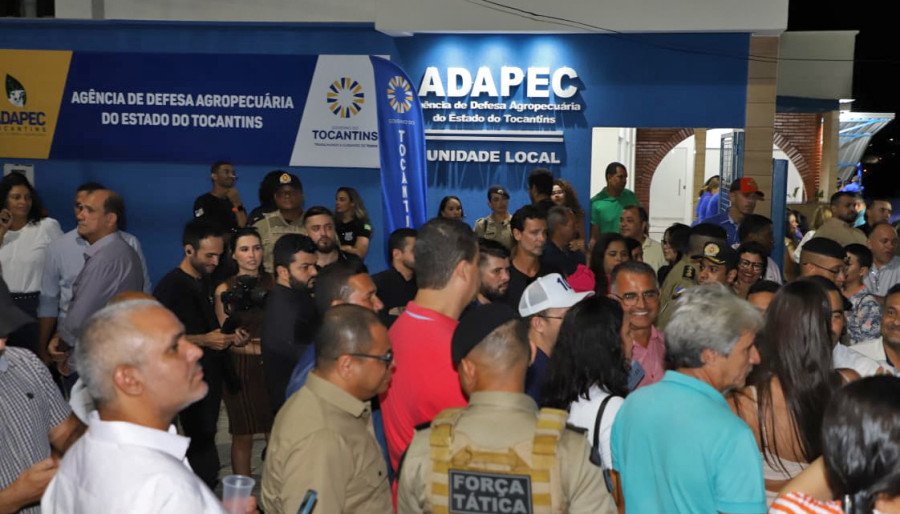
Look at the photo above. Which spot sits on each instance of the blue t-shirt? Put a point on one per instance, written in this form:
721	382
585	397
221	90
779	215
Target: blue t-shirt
731	228
679	448
536	375
711	208
702	203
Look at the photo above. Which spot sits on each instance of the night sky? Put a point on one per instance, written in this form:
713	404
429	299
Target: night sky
876	76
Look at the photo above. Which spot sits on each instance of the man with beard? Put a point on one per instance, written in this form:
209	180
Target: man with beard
397	284
222	205
493	266
188	292
843	215
319	224
291	317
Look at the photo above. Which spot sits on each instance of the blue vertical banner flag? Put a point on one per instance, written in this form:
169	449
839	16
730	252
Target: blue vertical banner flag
401	146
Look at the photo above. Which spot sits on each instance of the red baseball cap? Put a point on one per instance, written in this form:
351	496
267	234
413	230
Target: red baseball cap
748	186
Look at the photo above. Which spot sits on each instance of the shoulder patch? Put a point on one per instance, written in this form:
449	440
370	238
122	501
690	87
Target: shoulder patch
688	272
198	213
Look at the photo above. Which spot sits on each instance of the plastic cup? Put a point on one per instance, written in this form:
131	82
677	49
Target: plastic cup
236	491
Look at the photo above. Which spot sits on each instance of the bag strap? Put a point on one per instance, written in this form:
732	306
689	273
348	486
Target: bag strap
596	441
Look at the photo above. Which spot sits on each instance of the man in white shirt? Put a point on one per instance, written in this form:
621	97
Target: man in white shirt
141	370
882	355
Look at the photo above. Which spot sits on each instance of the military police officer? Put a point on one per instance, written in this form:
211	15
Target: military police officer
500	454
685	272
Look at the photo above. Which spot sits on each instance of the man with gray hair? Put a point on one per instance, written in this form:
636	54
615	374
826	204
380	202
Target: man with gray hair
703	457
634	286
141	371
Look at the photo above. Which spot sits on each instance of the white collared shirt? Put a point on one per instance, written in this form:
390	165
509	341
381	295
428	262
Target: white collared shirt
865	358
121	467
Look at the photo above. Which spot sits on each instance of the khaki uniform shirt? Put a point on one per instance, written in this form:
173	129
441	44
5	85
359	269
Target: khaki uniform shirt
500	420
839	231
682	276
323	440
499	231
270	228
653	253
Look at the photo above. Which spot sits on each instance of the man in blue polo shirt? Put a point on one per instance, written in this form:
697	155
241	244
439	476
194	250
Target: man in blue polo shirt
743	195
676	444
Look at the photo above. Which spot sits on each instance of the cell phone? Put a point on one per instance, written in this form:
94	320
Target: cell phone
308	503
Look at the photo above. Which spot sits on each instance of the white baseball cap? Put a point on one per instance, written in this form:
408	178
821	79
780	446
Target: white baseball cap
549	292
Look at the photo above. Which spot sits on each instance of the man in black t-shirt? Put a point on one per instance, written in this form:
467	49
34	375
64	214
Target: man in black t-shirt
221	206
188	292
319	224
397	284
291	318
529	230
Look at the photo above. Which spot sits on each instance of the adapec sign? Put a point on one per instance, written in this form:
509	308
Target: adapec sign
297	110
498	114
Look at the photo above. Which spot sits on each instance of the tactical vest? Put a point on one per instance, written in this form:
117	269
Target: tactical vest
522	479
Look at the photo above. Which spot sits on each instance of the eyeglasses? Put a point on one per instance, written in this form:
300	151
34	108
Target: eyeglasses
834	271
386	358
632	298
755	266
287	192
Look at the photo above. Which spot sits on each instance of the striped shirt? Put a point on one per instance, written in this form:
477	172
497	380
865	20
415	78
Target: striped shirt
30	405
799	503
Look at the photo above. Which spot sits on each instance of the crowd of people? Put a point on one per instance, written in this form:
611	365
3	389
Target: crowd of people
546	359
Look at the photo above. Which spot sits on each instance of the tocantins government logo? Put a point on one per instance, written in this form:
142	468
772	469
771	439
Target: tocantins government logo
399	94
15	91
345	97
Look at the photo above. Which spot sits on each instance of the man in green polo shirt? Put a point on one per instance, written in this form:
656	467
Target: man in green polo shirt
607	205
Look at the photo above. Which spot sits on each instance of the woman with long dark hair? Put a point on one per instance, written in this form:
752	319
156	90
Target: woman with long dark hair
451	207
25	234
610	250
860	465
587	367
352	224
564	194
787	393
239	303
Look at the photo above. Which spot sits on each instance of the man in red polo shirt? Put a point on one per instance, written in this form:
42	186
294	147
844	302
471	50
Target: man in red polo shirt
425	381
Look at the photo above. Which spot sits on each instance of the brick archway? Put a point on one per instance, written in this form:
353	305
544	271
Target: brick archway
651	147
807	174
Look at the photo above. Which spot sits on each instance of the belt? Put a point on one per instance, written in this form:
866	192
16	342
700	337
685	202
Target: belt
25	296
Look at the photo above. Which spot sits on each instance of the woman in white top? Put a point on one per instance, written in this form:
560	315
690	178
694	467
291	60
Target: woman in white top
25	233
587	366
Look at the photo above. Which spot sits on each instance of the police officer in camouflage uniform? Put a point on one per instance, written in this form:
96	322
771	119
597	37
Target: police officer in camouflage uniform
501	454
